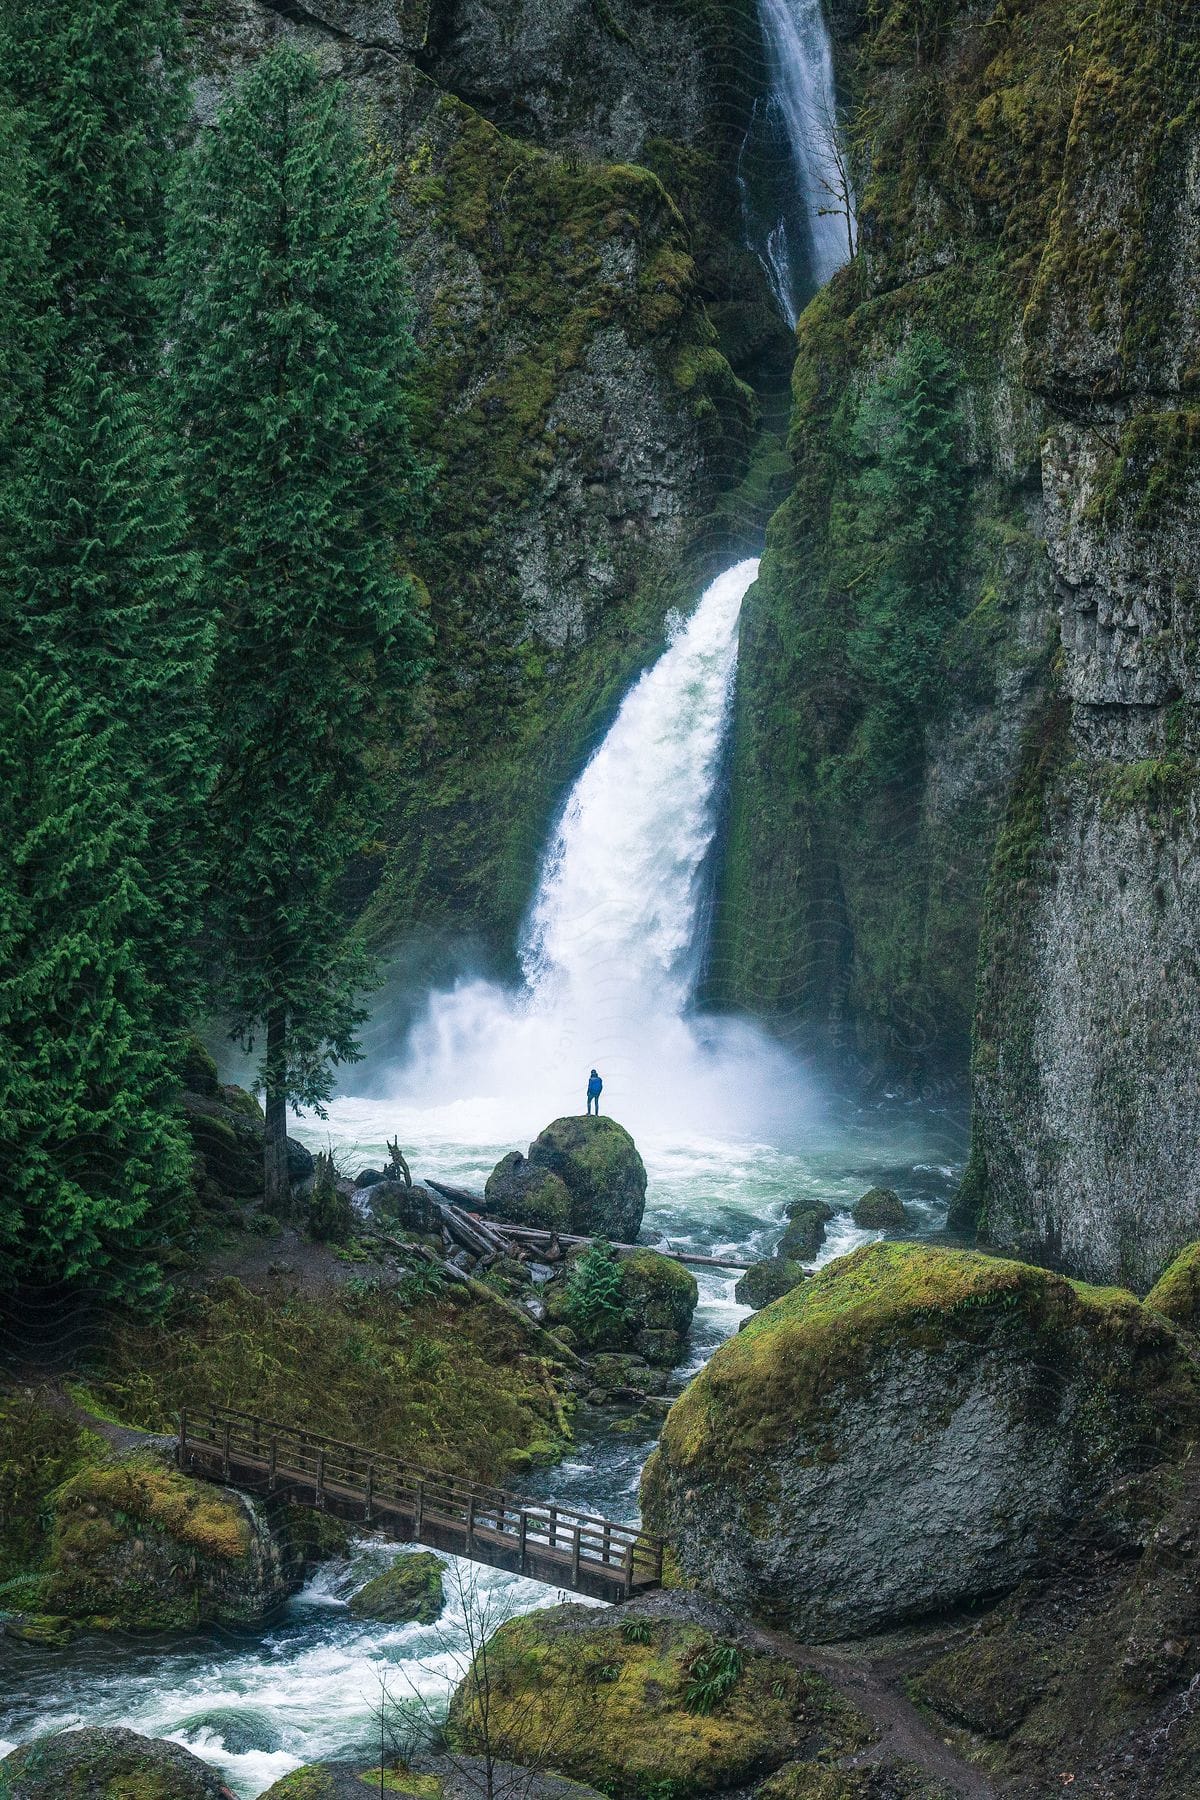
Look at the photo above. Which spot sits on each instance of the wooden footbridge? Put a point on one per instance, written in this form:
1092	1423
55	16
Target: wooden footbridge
543	1541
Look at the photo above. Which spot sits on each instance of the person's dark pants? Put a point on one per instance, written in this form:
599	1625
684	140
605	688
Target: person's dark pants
594	1103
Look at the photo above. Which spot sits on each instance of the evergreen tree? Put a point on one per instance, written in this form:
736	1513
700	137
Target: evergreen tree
95	1168
94	580
289	357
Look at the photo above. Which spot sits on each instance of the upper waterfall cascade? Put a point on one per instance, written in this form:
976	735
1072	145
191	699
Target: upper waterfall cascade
612	945
801	218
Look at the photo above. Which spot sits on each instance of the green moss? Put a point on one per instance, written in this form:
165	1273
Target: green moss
1176	1293
834	1331
411	1590
405	1781
612	1708
315	1782
41	1446
448	1381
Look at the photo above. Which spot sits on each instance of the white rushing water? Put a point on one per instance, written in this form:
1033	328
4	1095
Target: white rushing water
803	225
730	1127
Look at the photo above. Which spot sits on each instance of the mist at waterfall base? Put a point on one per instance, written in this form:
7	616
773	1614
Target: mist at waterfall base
611	950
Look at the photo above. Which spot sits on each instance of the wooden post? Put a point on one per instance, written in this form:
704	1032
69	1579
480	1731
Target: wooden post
274	1462
370	1490
470	1524
320	1490
658	1562
419	1510
181	1457
575	1560
629	1568
225	1449
606	1551
553	1525
524	1531
257	1440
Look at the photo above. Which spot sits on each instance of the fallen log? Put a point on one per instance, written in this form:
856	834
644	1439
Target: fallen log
532	1235
479	1290
458	1196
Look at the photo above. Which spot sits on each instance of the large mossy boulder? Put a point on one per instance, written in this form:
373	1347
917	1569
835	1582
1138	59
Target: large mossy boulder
138	1546
598	1163
1176	1293
804	1232
654	1698
638	1301
906	1432
410	1592
107	1763
521	1192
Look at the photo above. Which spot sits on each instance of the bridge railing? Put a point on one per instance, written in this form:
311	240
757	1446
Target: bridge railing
488	1517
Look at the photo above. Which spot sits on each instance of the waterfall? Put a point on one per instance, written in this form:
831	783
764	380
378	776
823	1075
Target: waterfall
794	195
609	950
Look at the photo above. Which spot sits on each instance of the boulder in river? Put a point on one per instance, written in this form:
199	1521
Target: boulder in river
907	1432
658	1696
767	1281
634	1301
107	1763
136	1545
410	1592
804	1232
520	1192
880	1209
598	1163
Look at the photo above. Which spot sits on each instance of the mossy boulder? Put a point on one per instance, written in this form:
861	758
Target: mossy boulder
598	1163
411	1591
909	1431
136	1545
880	1209
1176	1293
107	1763
767	1281
647	1313
650	1699
804	1232
523	1193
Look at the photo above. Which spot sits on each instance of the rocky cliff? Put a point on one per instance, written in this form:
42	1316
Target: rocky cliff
565	184
966	737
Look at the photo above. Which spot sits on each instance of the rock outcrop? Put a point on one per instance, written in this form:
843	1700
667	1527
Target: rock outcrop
1004	781
137	1546
653	1695
909	1431
647	1312
598	1163
411	1590
103	1762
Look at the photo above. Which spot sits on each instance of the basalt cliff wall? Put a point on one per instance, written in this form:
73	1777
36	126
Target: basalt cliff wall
971	828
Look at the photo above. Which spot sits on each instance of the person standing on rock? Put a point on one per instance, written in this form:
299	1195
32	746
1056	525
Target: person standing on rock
595	1088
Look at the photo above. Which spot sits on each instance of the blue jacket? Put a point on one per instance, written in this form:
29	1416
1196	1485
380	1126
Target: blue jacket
595	1086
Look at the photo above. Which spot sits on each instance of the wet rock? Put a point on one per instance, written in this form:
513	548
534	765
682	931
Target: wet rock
136	1545
880	1209
103	1763
766	1281
410	1591
647	1313
804	1232
522	1193
909	1431
598	1162
395	1207
650	1697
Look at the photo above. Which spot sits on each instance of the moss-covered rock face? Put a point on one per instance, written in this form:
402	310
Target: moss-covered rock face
1176	1293
411	1590
138	1546
642	1705
906	1432
880	1209
107	1764
523	1193
598	1163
